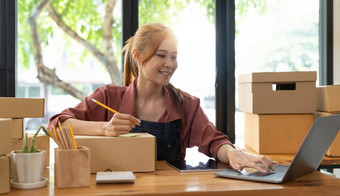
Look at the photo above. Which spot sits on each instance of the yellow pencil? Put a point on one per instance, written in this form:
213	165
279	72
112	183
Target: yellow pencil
110	109
63	136
104	106
56	136
54	133
49	132
73	140
59	139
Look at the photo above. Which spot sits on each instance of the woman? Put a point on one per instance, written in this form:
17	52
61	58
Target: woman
147	98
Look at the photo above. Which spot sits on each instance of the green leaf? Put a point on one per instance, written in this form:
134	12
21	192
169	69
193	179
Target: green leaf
24	145
34	148
45	131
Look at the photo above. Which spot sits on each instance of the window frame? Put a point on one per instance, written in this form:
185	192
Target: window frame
8	35
225	67
129	21
326	43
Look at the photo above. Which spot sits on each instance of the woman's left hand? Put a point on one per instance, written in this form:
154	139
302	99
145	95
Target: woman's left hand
239	160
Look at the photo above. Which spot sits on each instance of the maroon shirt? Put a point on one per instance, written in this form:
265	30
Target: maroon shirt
198	130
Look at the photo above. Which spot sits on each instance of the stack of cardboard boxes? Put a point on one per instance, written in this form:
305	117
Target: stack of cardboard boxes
328	103
12	114
278	109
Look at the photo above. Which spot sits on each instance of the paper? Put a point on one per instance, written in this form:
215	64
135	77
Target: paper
128	135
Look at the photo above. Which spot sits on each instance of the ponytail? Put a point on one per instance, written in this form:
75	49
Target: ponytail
130	65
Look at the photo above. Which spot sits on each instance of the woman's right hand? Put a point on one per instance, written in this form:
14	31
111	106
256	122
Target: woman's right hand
120	124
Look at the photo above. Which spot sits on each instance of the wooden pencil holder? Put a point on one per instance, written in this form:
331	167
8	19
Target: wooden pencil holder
72	167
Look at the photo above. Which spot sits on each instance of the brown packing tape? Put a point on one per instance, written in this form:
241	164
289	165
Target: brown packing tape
72	167
4	174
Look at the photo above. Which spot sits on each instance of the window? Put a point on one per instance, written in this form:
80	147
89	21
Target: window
73	44
274	36
193	24
7	30
34	91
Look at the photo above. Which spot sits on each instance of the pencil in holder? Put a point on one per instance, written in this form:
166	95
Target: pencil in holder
72	167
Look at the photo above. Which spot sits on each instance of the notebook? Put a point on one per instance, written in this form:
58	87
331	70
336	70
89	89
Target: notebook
306	160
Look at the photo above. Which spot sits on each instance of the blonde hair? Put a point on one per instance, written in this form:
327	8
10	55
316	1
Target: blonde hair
147	40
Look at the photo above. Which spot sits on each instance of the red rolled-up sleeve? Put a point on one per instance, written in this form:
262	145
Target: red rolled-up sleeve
90	111
200	131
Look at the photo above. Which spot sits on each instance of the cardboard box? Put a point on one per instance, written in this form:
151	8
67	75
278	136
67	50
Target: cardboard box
42	142
277	133
136	154
4	175
5	138
334	149
328	98
278	92
12	107
15	125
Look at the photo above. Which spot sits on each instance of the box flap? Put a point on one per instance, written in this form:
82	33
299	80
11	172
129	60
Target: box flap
298	76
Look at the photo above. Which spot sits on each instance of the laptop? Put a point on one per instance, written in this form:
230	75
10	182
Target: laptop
306	160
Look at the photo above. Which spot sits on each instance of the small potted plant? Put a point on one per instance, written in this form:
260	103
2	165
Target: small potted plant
27	164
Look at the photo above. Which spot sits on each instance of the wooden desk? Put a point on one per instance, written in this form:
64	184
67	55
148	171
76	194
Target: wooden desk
167	181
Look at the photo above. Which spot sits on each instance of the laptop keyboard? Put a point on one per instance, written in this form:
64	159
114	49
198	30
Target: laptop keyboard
279	171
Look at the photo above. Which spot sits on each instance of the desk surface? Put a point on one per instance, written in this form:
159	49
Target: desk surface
167	181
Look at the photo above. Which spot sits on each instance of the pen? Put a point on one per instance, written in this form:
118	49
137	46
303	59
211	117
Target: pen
108	108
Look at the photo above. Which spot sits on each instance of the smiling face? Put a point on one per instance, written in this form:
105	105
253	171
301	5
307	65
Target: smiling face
163	63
